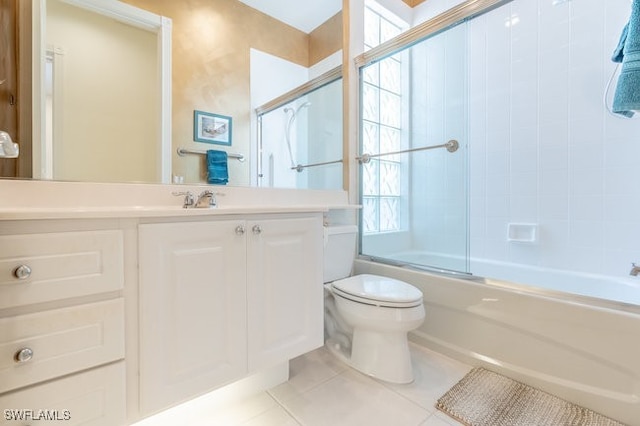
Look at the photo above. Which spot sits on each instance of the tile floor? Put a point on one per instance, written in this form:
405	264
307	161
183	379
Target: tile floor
323	391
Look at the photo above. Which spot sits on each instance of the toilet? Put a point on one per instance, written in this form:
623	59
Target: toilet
367	317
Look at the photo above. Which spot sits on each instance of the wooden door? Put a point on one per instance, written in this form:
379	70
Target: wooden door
8	78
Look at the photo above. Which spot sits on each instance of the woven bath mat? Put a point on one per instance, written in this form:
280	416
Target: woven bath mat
485	398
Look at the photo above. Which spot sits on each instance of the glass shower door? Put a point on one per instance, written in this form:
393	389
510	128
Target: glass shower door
415	203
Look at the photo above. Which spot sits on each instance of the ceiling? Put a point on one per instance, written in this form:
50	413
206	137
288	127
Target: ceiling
305	15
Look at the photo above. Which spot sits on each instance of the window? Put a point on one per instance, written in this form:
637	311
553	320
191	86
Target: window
381	129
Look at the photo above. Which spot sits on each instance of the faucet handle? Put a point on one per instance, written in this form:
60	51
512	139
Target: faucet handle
211	195
189	199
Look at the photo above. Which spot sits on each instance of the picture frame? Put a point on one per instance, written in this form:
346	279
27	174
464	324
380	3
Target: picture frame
212	128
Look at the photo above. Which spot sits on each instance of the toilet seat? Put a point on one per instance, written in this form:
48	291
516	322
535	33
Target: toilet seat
378	291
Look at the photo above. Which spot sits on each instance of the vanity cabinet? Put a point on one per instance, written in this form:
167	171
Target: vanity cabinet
62	323
284	289
223	298
193	309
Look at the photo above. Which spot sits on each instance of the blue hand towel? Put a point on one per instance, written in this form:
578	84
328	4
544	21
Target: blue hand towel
217	171
627	96
618	55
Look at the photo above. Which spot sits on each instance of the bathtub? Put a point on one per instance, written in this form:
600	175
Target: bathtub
580	347
621	290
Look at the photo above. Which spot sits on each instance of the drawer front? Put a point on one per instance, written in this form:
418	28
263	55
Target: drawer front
91	398
44	267
60	341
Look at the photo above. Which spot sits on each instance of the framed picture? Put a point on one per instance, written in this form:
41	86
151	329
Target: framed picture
211	128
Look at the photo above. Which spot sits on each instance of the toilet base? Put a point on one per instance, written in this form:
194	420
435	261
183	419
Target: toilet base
383	356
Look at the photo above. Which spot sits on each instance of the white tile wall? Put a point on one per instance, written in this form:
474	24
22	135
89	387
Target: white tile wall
543	149
438	178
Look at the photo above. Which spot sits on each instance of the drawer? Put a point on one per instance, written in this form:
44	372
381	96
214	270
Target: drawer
61	265
62	341
92	398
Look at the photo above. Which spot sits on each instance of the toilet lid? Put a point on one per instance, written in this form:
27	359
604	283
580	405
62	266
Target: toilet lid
377	290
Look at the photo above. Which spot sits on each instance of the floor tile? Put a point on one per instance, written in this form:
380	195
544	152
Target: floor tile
434	374
324	391
354	399
239	412
276	416
308	371
440	419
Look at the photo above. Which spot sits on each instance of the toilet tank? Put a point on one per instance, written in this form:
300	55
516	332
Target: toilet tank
339	251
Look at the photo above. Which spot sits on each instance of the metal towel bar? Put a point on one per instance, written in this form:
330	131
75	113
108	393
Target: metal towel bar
184	151
452	146
300	167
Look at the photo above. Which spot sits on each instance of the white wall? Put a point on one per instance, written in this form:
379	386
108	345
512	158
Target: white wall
271	77
543	148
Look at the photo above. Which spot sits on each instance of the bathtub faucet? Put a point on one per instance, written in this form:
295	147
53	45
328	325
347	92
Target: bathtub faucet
635	270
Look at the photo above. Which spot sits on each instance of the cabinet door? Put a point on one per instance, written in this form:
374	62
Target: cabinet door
92	398
192	310
284	289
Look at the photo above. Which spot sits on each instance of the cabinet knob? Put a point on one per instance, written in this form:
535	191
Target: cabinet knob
240	230
22	272
256	229
23	355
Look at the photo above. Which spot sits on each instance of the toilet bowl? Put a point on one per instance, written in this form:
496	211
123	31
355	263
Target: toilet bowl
371	316
367	317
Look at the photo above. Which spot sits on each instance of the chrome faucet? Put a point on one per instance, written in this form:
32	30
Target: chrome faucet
189	200
635	270
207	198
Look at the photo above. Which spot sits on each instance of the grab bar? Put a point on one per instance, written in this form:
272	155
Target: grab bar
300	167
452	146
184	151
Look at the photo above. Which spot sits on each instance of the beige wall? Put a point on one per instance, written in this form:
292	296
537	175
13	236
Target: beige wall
413	3
211	42
108	106
326	39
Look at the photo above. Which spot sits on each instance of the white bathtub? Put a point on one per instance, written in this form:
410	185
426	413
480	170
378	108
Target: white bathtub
579	347
623	290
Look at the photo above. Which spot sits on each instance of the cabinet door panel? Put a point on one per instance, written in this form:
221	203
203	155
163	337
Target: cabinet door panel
62	265
284	289
62	341
193	310
91	398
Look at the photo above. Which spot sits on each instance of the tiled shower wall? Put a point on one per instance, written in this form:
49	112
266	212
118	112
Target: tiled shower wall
543	148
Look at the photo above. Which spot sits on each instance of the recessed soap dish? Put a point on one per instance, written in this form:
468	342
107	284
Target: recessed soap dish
522	233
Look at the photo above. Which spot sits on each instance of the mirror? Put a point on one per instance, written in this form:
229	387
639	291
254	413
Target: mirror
211	50
103	99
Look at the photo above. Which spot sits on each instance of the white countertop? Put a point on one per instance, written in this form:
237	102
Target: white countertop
147	211
31	200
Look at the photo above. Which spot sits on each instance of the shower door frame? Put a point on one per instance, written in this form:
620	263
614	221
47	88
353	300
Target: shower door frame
312	85
444	21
